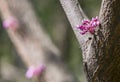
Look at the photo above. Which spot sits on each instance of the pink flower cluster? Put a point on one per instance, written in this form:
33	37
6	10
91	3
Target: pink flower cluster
10	23
89	25
32	71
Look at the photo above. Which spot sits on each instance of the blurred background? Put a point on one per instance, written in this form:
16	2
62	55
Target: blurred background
55	23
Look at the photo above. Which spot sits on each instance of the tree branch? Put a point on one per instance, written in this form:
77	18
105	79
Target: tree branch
101	54
75	16
107	42
32	43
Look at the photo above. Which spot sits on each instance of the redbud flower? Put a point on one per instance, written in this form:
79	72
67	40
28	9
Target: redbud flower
35	71
89	26
95	22
85	26
10	23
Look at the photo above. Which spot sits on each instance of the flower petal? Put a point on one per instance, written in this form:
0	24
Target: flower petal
10	23
39	69
30	72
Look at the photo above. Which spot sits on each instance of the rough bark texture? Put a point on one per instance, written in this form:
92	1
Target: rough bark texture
33	45
107	43
101	53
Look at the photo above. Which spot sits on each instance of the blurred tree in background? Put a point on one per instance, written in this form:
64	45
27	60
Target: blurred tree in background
56	25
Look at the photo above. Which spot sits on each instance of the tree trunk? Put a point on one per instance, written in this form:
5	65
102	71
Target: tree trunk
32	43
101	53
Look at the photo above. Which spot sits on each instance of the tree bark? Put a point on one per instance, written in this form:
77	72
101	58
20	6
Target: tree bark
101	53
32	43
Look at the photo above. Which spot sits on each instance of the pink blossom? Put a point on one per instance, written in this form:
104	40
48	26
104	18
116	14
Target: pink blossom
89	26
10	23
30	72
95	22
35	71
